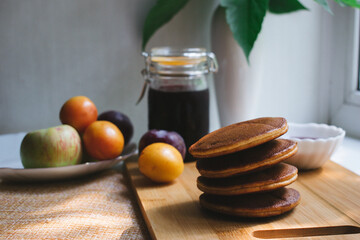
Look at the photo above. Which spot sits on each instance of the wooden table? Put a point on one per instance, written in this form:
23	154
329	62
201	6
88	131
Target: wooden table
330	197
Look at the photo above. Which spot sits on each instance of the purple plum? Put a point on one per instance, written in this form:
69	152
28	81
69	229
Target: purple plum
169	137
121	121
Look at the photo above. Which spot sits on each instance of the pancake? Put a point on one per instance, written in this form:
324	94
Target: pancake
278	176
249	160
238	136
253	205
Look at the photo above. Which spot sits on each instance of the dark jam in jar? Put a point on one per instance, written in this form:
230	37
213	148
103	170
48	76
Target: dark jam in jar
178	97
185	112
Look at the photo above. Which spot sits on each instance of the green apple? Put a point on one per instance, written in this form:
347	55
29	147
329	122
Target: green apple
52	147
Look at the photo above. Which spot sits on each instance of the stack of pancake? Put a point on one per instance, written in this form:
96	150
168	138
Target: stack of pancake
242	171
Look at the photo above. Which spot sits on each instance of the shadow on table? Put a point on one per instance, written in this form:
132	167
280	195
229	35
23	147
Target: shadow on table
80	206
137	211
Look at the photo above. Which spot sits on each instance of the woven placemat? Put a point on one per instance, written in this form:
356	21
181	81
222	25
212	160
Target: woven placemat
99	206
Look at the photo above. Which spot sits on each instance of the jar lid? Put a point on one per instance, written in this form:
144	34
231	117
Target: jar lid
186	61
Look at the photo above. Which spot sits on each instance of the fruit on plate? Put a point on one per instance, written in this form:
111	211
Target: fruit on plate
103	140
169	137
121	121
161	162
78	112
52	147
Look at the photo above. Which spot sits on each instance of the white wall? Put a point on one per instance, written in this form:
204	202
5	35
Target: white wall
52	50
292	57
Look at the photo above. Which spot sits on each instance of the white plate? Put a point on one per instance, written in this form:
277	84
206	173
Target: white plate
58	173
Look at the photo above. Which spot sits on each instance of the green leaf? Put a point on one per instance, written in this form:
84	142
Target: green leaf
350	3
245	18
340	2
160	14
325	5
285	6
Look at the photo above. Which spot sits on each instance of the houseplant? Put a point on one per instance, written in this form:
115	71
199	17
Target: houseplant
235	28
244	17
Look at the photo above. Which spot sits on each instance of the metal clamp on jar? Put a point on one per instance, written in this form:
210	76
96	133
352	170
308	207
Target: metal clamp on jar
178	98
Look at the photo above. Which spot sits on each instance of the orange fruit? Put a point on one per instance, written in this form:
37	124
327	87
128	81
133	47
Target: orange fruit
78	112
103	140
161	162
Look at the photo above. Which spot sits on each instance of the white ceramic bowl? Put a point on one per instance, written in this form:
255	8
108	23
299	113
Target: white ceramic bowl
316	143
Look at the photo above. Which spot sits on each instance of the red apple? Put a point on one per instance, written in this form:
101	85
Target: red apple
52	147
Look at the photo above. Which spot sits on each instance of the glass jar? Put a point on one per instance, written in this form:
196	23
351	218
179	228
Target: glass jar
178	97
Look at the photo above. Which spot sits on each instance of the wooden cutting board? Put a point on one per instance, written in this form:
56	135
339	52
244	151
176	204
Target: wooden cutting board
330	196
